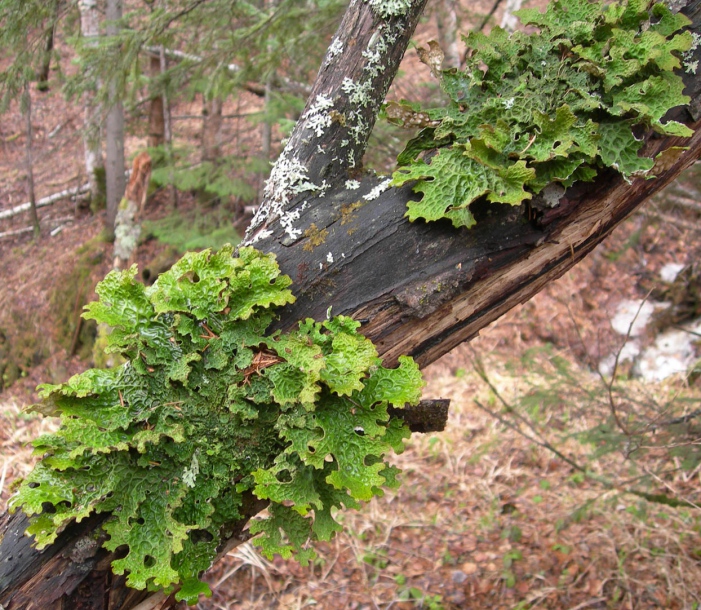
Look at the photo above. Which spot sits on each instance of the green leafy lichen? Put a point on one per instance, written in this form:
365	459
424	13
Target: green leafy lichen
552	106
209	407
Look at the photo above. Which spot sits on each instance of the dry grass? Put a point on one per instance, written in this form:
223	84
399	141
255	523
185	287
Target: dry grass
17	429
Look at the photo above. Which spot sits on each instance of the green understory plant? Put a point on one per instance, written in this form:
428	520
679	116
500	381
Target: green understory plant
209	407
552	106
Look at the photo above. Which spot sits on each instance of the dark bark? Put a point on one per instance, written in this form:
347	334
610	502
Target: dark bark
356	73
44	69
156	117
418	289
211	129
29	160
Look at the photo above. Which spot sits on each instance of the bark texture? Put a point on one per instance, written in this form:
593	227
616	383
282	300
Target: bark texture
448	33
211	129
114	132
156	115
127	225
29	161
92	141
417	289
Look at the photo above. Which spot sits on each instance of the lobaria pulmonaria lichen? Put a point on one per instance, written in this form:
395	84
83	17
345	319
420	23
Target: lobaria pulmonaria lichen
209	407
553	106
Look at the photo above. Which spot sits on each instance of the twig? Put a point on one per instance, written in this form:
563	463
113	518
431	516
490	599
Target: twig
686	330
589	603
152	602
606	483
30	229
684	202
677	222
668	486
488	16
199	117
544	444
609	384
677	420
539	440
16	232
255	88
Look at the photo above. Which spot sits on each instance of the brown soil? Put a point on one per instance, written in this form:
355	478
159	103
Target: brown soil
485	518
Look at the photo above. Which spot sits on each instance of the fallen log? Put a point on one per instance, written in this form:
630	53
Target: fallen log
45	201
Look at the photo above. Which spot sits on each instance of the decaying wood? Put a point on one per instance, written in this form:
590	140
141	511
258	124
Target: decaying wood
417	289
74	572
127	224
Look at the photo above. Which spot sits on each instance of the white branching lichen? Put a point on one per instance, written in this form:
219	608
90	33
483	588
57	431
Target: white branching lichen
258	236
352	185
378	190
390	8
189	475
690	64
358	130
373	53
359	94
329	258
317	117
287	220
380	43
336	48
288	178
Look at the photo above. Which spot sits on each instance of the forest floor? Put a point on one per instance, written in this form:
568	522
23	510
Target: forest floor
512	506
485	516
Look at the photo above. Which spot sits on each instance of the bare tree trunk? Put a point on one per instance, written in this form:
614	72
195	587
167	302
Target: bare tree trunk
114	132
211	129
29	161
94	162
156	121
43	79
266	137
447	24
167	122
509	21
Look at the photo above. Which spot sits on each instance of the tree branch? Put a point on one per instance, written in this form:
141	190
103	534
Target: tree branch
332	134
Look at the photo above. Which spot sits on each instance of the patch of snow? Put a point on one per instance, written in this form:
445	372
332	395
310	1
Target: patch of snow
670	271
672	353
636	313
